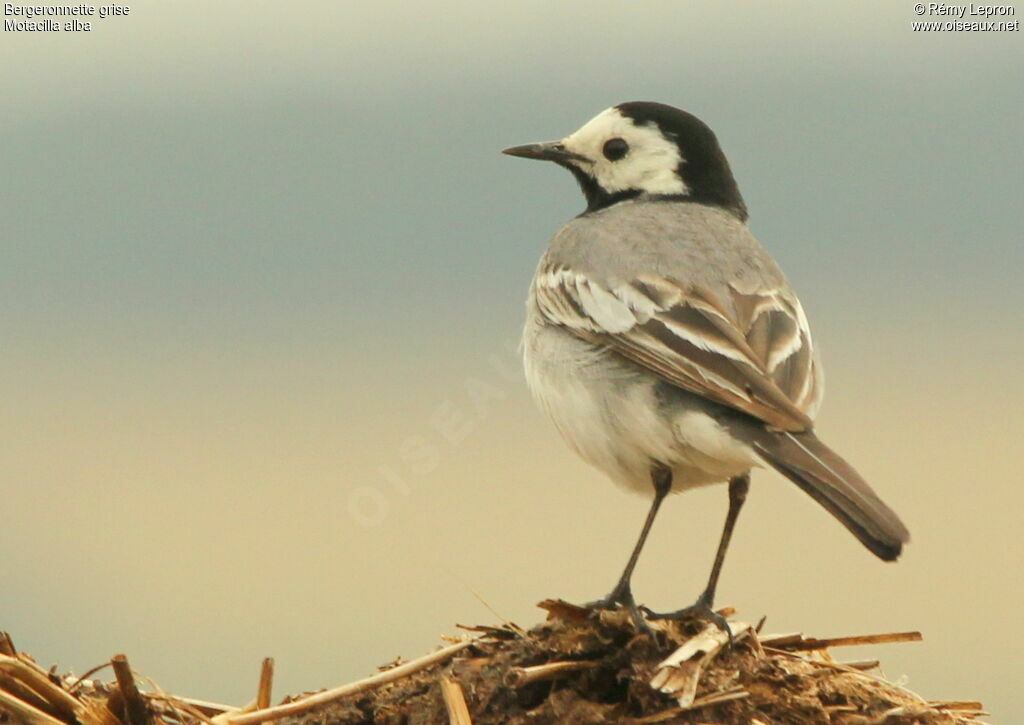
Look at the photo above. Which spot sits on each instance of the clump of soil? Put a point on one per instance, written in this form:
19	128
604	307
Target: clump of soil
768	685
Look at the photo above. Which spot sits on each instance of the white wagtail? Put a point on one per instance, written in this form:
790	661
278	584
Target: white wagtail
666	344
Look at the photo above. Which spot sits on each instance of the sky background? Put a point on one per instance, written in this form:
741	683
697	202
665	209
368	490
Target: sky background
262	278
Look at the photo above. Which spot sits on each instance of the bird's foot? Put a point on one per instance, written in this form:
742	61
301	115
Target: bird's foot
700	610
622	596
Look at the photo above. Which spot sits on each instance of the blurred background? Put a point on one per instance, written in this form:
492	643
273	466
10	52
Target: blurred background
262	279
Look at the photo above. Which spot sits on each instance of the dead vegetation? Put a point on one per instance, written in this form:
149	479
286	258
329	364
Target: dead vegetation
577	667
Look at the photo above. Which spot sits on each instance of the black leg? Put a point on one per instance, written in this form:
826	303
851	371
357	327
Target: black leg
738	488
622	594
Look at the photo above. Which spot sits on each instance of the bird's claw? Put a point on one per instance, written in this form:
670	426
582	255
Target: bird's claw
699	610
622	596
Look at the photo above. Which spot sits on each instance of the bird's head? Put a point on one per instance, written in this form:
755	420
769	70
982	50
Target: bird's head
643	148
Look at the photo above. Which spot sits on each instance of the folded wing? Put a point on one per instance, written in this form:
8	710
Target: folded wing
748	350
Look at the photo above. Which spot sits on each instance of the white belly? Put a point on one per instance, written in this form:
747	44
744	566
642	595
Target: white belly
608	410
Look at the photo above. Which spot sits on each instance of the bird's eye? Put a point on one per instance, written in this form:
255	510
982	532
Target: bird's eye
615	149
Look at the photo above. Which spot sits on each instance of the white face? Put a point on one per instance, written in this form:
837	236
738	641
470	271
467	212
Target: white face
650	164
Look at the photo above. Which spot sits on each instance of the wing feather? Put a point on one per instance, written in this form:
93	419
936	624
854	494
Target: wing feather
751	351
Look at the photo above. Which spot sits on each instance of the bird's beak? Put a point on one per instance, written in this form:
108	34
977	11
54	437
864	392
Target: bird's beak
551	151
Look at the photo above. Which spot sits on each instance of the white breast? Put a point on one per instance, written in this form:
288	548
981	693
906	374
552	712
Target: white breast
607	410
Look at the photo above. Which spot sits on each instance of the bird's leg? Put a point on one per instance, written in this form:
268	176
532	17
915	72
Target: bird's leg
622	594
701	609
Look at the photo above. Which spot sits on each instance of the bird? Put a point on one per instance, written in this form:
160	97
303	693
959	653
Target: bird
666	344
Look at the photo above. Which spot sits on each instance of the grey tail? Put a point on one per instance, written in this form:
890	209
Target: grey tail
833	483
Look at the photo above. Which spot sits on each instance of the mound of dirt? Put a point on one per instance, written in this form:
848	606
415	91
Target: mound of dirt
581	668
